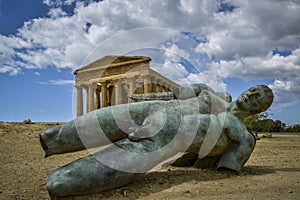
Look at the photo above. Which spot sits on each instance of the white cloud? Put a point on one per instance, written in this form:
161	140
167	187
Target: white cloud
58	82
174	53
174	71
240	40
210	77
284	71
253	29
270	66
286	92
173	59
276	19
56	12
10	70
61	2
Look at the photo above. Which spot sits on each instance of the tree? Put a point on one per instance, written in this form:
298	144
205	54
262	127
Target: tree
251	123
293	128
278	126
259	122
265	125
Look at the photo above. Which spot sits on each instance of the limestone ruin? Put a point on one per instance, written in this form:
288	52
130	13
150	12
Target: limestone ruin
109	80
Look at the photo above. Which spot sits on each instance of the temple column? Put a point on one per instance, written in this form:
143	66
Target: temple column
159	86
132	85
140	88
118	95
169	88
154	85
91	98
164	89
97	102
79	102
86	99
104	94
146	84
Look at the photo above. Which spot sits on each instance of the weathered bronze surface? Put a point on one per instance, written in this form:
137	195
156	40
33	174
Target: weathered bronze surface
199	128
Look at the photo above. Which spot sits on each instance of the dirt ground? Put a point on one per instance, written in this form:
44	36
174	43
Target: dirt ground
272	172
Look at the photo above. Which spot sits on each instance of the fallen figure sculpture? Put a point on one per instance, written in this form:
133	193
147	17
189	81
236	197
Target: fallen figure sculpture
196	126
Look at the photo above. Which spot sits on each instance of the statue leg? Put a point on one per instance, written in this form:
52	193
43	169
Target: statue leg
98	128
112	167
94	129
85	176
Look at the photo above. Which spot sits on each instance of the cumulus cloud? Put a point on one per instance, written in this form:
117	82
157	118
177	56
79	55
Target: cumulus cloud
175	53
63	2
253	29
270	66
284	71
233	39
56	13
286	92
58	82
182	66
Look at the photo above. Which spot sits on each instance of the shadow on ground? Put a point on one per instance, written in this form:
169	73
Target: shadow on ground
155	182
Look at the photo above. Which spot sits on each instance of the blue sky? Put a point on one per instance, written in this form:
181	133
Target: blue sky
230	45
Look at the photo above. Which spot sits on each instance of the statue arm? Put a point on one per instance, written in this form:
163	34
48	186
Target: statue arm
191	91
178	93
225	96
151	125
152	96
242	143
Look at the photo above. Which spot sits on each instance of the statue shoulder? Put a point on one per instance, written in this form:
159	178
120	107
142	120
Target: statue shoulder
230	121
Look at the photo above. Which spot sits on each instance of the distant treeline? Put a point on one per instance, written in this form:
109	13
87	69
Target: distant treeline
262	123
293	128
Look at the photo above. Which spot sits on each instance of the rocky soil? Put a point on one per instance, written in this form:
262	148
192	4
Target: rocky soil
273	172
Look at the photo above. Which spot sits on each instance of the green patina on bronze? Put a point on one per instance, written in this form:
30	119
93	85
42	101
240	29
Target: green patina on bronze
197	111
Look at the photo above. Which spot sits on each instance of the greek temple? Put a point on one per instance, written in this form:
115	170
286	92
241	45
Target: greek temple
109	80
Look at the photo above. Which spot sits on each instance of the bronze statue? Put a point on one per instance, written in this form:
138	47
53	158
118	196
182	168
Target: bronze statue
196	126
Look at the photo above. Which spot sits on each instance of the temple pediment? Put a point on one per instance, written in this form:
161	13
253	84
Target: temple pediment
109	80
111	61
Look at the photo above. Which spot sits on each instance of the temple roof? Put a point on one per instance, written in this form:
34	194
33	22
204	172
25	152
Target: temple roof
111	60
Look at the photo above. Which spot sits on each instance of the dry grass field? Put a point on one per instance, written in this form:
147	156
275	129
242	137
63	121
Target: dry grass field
273	172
